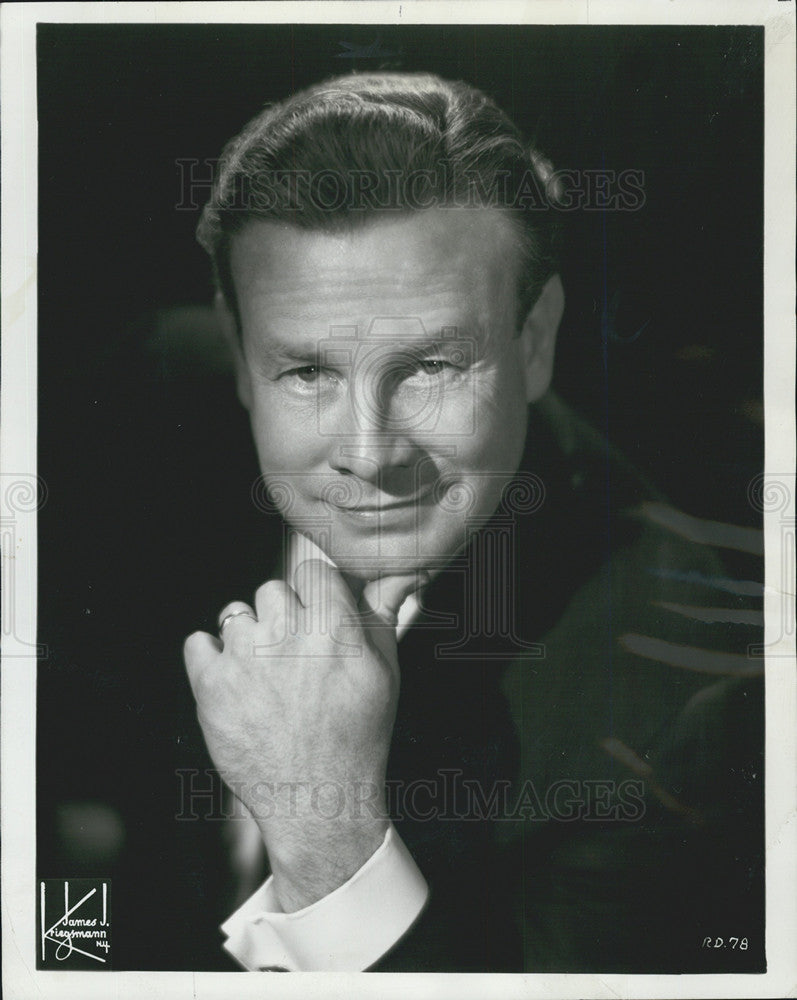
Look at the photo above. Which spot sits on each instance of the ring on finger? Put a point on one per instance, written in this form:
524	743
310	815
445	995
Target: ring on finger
233	614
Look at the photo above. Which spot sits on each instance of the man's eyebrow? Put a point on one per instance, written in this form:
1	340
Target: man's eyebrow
472	330
273	348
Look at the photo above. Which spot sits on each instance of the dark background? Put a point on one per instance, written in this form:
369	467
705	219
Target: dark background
147	526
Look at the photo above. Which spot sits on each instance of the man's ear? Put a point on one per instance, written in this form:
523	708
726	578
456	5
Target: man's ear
538	338
232	337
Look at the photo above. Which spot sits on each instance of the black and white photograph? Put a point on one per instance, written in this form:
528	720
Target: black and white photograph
398	484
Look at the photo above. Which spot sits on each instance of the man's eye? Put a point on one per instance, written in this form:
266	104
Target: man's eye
421	371
307	375
433	366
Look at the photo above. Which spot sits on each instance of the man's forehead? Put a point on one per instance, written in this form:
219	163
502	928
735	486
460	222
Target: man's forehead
451	268
382	332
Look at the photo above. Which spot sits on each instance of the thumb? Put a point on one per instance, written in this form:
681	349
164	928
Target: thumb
382	598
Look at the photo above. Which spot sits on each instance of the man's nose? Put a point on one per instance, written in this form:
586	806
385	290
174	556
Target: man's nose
370	439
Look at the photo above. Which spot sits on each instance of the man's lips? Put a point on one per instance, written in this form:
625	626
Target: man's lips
380	507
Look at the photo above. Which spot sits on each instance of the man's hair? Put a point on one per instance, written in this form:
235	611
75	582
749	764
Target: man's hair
355	148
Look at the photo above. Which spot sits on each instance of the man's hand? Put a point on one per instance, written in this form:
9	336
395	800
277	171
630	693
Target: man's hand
297	706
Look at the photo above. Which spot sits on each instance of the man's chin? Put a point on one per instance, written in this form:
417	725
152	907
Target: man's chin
364	566
364	557
365	571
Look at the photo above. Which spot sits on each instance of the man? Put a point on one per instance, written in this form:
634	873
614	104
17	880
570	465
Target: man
476	601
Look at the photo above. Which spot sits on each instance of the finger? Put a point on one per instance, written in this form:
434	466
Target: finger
237	608
199	652
318	585
381	599
275	599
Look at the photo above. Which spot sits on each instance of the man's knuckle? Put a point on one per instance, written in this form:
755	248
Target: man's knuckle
271	592
194	647
240	644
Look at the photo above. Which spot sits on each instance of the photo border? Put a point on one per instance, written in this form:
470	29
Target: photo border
22	495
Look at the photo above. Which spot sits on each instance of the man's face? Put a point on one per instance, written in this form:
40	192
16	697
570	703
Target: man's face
386	381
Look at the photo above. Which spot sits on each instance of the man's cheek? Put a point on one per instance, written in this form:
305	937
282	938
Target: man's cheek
472	437
497	442
284	442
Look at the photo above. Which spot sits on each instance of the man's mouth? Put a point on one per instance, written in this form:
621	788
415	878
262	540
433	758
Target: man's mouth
381	507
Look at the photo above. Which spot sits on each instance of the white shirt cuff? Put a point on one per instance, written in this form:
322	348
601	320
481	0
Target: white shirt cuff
346	931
